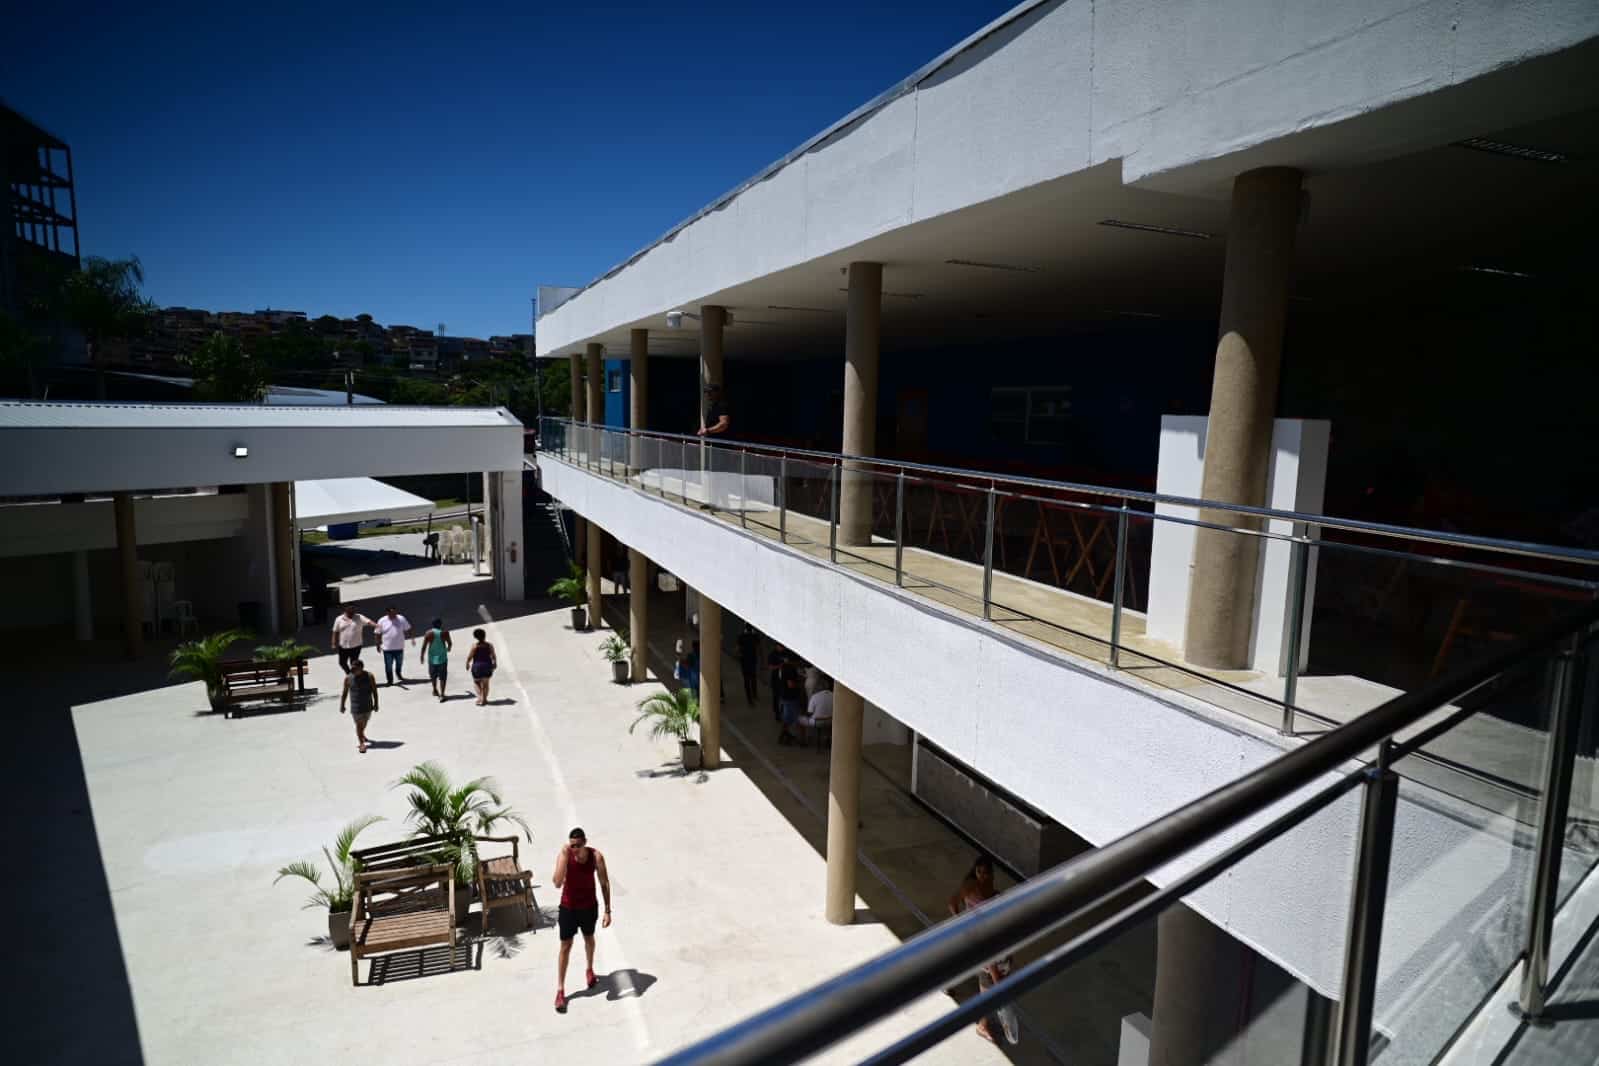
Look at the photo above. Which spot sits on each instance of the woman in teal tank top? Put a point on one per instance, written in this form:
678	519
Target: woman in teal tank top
436	653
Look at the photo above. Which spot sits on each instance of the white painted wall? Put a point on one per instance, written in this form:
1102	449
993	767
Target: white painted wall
1296	480
1103	757
47	528
1180	94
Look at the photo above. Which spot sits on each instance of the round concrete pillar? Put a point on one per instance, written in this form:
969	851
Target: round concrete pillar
638	602
638	415
1243	405
594	356
843	804
596	563
862	330
574	364
128	564
1200	990
710	682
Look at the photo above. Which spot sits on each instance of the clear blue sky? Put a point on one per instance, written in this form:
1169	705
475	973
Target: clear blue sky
427	167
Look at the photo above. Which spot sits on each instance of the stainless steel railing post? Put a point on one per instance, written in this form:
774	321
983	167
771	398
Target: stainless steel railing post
1298	574
743	488
899	529
682	482
782	499
988	558
1368	902
1565	719
1121	581
832	522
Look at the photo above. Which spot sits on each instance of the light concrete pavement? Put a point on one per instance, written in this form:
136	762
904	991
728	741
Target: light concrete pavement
718	901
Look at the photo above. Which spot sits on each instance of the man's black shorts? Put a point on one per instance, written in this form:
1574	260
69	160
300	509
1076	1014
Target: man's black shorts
572	919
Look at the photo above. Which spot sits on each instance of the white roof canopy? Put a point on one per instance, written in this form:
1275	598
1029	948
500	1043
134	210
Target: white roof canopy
353	499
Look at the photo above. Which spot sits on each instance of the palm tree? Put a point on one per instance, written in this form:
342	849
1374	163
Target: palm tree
102	299
225	373
670	712
571	588
460	813
289	650
201	660
21	348
338	898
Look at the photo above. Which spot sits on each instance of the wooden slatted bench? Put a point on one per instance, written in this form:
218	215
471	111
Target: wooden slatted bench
501	882
400	910
259	679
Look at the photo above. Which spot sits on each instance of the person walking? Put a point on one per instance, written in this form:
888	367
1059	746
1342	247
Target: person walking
436	654
976	888
684	671
480	663
774	667
790	700
361	694
349	633
393	629
749	658
577	867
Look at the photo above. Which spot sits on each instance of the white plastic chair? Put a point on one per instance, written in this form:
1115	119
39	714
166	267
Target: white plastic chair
183	615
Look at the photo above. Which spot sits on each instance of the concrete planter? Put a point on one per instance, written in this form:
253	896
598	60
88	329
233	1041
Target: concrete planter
339	929
691	754
580	619
621	671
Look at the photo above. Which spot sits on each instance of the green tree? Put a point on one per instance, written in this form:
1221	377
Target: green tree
225	373
103	301
22	350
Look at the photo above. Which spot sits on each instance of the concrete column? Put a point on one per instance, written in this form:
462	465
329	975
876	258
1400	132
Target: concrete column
1243	403
595	386
596	563
288	578
710	682
132	592
843	805
638	602
638	415
82	598
577	443
712	320
861	336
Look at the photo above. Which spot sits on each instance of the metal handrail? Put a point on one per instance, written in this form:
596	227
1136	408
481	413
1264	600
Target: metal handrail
1577	556
836	1008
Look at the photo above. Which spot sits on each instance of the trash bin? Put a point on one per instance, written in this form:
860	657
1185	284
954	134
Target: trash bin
252	616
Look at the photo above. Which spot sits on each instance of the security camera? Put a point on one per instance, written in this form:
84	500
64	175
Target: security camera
674	320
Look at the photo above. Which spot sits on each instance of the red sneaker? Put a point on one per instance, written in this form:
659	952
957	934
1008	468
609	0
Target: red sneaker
560	1003
592	980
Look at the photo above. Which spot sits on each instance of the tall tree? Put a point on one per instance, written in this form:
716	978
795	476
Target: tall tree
225	373
21	349
103	301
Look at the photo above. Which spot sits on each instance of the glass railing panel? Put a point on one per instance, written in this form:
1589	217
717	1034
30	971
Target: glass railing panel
1455	914
808	501
868	502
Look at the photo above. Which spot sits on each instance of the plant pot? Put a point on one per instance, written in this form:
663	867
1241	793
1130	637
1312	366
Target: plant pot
463	903
339	929
218	704
580	619
621	671
691	754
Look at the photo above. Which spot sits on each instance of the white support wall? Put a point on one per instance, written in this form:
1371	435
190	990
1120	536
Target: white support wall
1103	756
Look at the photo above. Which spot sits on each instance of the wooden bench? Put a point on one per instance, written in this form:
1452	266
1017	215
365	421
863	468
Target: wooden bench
501	882
259	679
402	909
418	851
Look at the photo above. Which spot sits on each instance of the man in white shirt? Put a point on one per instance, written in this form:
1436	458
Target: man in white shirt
349	631
393	628
818	711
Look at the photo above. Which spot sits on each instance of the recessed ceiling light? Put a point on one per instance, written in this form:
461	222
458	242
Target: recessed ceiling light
1498	271
812	310
900	295
991	266
241	452
1145	227
1514	151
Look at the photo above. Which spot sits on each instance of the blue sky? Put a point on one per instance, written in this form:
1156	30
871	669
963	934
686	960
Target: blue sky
427	167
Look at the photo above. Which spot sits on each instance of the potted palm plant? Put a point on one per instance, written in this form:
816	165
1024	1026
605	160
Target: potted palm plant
339	898
201	660
617	653
571	589
462	813
672	713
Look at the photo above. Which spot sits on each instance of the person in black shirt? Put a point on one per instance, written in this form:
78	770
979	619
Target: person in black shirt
715	422
774	662
749	651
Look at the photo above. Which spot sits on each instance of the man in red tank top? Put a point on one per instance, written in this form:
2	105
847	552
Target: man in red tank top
577	867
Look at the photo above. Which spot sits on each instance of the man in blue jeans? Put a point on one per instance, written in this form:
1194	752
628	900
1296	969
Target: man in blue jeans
393	628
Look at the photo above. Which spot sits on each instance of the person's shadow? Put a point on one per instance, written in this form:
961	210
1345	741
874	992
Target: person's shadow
382	744
618	984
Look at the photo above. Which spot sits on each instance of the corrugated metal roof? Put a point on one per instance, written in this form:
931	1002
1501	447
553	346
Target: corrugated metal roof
17	414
